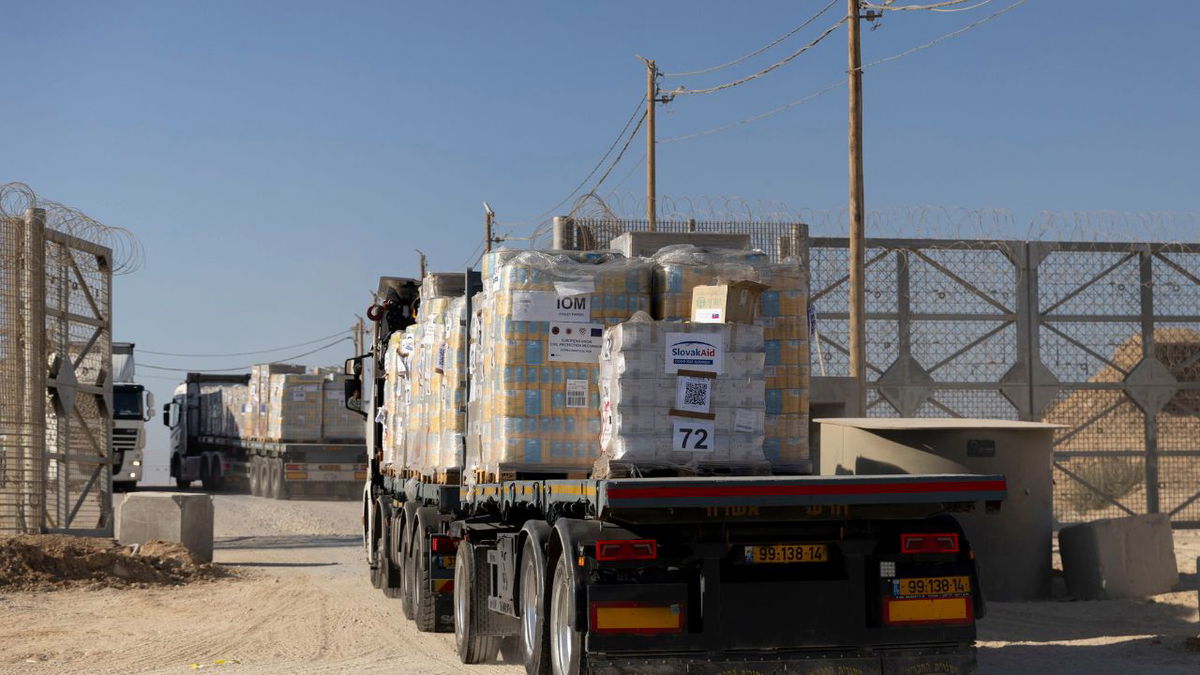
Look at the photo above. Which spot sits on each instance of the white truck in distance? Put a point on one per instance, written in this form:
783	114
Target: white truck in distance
132	407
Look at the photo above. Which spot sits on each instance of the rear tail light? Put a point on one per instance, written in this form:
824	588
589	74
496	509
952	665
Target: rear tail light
639	618
443	544
626	549
939	542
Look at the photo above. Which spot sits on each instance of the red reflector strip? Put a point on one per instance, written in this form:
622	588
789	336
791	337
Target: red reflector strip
441	543
638	618
626	549
293	467
898	612
931	542
625	492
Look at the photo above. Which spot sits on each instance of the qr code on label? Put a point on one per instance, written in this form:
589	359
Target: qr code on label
695	393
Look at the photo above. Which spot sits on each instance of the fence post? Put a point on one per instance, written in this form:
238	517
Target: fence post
34	299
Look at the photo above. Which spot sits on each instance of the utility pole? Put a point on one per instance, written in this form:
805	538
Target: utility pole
858	315
489	219
651	96
358	336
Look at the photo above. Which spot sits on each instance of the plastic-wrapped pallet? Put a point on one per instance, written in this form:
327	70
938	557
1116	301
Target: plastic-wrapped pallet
451	360
783	315
260	395
395	398
294	409
682	395
337	422
535	359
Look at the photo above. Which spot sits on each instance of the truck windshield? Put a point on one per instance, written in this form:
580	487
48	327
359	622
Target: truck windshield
127	405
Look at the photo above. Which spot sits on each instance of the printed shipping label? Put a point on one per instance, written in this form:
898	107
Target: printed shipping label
577	393
708	315
548	306
693	436
704	352
576	342
743	421
693	394
297	394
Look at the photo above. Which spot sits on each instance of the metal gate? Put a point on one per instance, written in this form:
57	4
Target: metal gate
56	379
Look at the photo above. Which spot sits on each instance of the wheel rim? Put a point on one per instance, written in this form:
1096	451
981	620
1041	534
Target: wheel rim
561	646
529	610
461	596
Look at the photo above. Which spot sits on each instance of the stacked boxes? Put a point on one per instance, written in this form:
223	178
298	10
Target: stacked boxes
294	408
337	422
395	399
682	395
782	314
220	409
260	396
535	359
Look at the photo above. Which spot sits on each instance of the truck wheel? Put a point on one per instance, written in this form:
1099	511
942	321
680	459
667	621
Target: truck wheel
406	594
471	648
423	604
534	640
182	484
284	493
252	475
205	474
566	643
511	650
379	571
391	587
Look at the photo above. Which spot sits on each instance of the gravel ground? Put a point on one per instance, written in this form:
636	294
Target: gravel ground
303	603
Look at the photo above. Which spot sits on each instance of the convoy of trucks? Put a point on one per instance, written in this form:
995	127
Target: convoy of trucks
640	548
228	431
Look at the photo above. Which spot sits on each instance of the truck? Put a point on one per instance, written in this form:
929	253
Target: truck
221	457
571	574
133	406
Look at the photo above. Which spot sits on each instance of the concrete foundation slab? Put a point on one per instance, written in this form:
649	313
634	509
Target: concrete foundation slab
168	516
1119	557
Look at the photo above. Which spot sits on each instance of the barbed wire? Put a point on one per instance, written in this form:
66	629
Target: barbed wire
127	251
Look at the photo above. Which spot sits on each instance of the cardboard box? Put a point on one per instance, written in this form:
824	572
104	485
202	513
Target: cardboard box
730	302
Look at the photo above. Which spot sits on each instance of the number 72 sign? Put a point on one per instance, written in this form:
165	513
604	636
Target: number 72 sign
694	436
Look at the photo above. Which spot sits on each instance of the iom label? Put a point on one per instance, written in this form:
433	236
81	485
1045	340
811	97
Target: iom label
695	351
549	306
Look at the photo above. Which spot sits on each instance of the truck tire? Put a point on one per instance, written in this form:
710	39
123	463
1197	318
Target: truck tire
205	474
182	484
388	532
254	478
283	492
471	648
424	606
534	639
379	570
406	595
566	643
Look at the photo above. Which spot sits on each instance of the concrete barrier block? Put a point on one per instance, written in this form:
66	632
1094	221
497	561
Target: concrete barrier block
1119	557
168	516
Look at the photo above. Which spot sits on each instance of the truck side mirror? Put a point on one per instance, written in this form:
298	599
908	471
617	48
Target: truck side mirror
353	386
166	414
149	406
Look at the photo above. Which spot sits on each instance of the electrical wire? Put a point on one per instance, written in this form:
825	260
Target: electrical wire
224	370
934	7
760	50
617	159
259	351
680	91
831	87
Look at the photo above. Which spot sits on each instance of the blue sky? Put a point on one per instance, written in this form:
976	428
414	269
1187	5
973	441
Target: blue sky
275	158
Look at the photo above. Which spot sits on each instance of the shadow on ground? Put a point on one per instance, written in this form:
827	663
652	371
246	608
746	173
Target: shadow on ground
289	541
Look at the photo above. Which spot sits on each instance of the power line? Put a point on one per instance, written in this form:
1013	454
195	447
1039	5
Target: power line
680	91
259	351
889	6
224	370
617	159
760	50
838	84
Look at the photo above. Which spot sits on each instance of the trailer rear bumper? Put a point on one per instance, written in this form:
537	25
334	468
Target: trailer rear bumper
953	659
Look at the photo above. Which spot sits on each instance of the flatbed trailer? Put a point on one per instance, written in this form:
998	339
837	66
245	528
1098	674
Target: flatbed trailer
702	574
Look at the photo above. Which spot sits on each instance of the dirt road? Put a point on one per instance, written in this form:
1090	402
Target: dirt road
304	604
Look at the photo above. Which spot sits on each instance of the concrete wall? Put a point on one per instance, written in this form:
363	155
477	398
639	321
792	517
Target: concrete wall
1013	547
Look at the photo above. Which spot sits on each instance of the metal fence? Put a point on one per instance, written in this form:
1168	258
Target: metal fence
1103	338
55	380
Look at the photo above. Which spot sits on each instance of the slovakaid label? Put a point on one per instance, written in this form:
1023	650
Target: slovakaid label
695	351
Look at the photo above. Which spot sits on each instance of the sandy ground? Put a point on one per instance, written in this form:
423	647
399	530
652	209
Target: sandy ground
304	604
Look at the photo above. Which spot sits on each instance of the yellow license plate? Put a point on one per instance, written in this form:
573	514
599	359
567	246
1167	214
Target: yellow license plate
930	586
787	553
